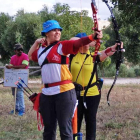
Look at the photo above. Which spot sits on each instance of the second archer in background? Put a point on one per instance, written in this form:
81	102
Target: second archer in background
81	67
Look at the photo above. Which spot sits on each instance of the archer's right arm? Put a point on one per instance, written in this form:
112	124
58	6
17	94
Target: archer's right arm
35	46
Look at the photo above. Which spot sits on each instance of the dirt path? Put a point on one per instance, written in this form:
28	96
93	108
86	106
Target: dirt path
121	81
107	81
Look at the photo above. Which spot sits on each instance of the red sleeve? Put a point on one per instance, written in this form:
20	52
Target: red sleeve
72	46
68	47
34	56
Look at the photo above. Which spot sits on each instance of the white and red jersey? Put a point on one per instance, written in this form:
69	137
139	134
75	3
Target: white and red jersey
54	66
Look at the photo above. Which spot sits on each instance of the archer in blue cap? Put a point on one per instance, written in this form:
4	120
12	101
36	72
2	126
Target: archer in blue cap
50	25
53	57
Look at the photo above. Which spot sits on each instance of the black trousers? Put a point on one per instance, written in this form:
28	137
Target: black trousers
92	103
59	108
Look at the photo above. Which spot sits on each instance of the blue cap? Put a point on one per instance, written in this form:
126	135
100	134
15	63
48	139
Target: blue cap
80	35
50	25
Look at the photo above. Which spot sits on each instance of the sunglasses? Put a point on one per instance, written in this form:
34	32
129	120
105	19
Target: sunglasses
19	49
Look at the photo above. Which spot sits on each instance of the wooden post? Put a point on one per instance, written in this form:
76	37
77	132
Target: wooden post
15	100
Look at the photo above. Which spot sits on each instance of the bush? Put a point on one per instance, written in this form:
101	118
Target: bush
123	72
107	72
137	70
1	70
131	73
110	71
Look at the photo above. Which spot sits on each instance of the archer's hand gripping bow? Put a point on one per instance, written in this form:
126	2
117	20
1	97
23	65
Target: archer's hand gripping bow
97	47
119	50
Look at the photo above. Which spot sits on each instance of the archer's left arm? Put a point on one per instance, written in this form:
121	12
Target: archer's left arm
109	51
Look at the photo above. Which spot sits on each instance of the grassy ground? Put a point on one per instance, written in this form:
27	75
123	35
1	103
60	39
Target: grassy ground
120	121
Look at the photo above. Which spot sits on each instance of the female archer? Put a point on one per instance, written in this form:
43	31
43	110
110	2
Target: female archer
81	67
58	97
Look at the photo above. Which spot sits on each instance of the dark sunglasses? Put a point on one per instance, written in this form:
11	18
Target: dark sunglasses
19	49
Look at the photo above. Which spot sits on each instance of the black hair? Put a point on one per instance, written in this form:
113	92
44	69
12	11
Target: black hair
17	46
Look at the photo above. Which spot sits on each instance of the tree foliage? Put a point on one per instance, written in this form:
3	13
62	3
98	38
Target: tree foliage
130	30
25	28
129	25
4	19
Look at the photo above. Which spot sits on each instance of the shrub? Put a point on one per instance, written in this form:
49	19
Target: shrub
107	72
1	70
137	70
131	73
123	72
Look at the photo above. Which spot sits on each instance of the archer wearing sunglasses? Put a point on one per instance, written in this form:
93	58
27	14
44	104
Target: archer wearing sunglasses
18	61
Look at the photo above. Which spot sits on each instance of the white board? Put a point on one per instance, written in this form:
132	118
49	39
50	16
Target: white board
11	76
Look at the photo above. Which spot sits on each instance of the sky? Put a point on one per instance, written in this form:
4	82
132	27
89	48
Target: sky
12	6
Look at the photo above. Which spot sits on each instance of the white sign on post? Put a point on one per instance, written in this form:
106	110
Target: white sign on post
11	76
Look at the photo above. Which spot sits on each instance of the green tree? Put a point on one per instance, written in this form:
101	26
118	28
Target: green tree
24	29
72	22
129	19
8	40
45	14
4	19
28	28
128	22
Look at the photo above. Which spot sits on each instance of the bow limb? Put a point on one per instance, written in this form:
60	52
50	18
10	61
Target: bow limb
119	50
97	47
95	28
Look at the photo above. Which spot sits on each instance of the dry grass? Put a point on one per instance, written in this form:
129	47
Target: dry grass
13	127
120	121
